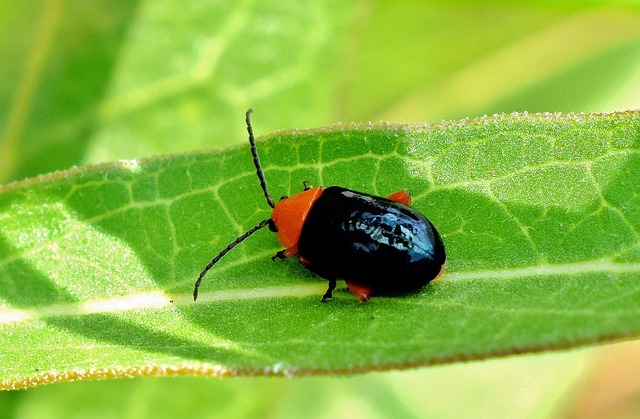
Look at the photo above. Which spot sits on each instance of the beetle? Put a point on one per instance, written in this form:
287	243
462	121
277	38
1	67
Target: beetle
377	245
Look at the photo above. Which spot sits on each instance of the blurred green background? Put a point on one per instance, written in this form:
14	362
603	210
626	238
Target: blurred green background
90	81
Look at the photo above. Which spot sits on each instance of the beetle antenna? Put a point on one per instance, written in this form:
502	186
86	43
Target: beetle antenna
256	160
224	251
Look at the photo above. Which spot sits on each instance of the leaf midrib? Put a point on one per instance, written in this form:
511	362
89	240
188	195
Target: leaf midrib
158	300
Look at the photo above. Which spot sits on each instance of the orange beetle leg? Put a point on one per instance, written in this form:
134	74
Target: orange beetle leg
361	291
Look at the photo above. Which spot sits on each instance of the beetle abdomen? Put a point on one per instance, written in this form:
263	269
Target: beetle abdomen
370	240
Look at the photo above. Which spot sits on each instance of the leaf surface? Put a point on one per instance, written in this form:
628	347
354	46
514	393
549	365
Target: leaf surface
539	215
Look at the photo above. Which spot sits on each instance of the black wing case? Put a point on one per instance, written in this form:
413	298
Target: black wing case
370	240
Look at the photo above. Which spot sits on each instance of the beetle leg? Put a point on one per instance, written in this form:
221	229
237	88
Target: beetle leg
329	294
285	253
332	280
305	185
402	196
363	292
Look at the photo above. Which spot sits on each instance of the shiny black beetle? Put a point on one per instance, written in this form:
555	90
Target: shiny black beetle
377	245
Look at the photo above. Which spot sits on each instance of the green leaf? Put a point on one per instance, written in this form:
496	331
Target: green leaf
539	215
456	61
58	59
93	81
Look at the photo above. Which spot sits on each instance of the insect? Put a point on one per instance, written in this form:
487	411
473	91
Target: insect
377	245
